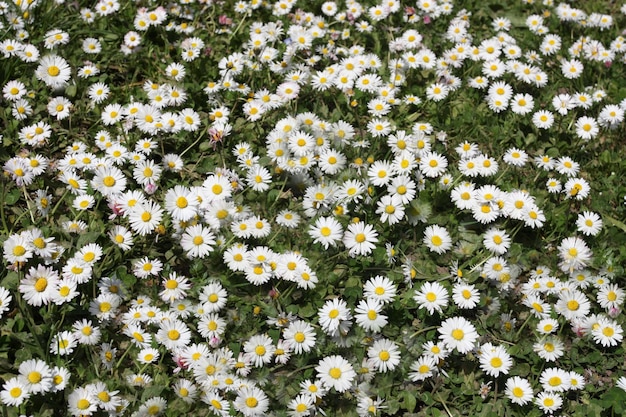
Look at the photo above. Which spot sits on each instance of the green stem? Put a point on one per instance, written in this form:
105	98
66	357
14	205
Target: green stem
56	206
195	142
424	330
4	222
444	405
522	327
232	35
119	362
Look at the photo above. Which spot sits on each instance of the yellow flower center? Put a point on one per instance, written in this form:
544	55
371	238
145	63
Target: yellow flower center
19	250
335	373
555	381
181	202
34	377
41	284
53	70
83	404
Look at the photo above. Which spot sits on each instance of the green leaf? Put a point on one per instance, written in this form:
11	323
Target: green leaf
614	222
152	391
12	196
409	401
306	310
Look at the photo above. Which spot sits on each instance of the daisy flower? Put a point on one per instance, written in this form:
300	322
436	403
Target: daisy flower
543	119
390	209
610	296
327	231
259	349
437	239
181	203
574	254
213	297
465	296
39	285
173	334
300	335
589	223
607	332
145	217
554	380
384	354
368	315
432	296
335	372
577	188
586	128
380	288
458	333
547	325
433	164
522	104
63	343
495	360
423	368
332	314
360	239
549	349
5	299
437	92
519	390
197	241
17	248
14	392
54	71
36	375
